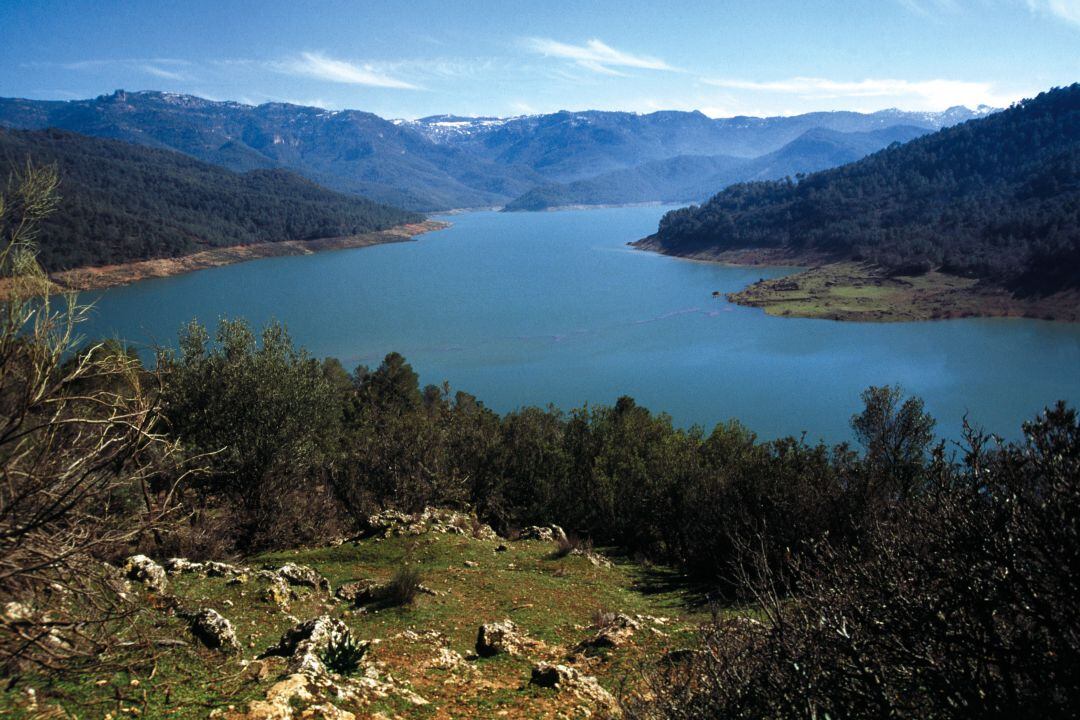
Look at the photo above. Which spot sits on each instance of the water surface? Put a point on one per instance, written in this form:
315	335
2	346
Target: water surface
538	308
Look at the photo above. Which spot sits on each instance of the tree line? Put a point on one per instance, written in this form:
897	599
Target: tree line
124	202
996	199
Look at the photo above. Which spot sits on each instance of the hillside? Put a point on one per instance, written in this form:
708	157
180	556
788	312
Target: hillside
439	162
995	201
694	178
421	656
124	202
348	151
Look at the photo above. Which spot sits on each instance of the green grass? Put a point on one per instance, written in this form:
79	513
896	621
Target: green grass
551	599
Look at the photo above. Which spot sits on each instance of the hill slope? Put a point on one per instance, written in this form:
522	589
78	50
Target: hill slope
123	202
421	659
697	177
996	200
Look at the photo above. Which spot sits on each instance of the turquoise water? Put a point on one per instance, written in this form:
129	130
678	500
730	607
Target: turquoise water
538	308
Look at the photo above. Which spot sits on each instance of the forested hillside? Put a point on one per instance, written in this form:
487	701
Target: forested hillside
996	199
124	202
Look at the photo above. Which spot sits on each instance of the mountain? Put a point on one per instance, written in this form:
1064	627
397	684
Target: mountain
569	146
997	199
122	202
438	162
349	151
693	178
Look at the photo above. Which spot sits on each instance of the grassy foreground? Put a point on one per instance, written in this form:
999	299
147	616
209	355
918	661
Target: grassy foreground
423	651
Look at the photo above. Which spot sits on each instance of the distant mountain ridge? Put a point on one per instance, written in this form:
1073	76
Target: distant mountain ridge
439	162
694	178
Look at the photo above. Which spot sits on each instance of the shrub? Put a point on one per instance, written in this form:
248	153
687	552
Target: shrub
403	587
343	654
570	543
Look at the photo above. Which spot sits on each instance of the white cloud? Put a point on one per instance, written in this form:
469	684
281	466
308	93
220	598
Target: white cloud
162	73
1067	10
596	56
911	95
321	67
930	8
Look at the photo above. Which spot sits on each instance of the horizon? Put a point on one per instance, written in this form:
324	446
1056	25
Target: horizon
476	61
981	109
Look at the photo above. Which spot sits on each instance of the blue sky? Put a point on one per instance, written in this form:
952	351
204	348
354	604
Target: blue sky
409	59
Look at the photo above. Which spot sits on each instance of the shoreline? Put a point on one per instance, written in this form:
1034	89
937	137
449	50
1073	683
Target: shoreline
106	276
825	287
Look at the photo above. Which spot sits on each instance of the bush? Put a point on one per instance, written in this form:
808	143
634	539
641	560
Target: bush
343	654
570	543
403	587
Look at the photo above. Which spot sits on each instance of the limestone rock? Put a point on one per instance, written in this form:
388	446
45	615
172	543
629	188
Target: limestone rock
357	593
214	630
536	532
179	566
500	637
302	644
142	569
613	631
567	679
304	576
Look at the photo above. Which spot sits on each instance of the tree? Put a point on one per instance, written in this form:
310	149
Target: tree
896	436
85	469
266	415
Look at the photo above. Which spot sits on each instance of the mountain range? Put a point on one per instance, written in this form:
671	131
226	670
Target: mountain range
445	162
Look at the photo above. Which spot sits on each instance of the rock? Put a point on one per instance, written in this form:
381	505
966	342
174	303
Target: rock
220	569
302	644
500	637
567	679
614	631
179	566
304	576
535	532
451	522
16	613
558	534
471	564
595	558
501	548
277	592
447	659
142	569
357	593
214	630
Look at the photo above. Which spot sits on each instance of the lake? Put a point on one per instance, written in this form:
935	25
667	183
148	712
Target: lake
537	308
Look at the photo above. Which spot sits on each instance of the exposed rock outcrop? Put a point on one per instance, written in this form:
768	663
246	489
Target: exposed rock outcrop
303	644
303	576
214	630
144	570
501	637
567	679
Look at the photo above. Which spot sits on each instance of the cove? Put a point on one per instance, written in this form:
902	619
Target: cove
537	308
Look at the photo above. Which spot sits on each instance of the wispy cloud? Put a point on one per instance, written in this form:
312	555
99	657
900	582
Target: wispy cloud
596	56
918	94
163	73
930	8
321	67
1067	10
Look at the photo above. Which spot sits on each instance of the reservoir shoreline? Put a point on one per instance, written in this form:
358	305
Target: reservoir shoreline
106	276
